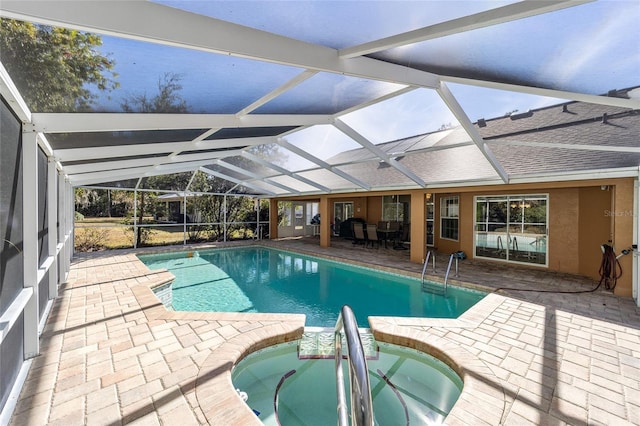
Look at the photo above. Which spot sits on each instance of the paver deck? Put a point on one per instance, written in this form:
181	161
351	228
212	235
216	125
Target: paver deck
111	354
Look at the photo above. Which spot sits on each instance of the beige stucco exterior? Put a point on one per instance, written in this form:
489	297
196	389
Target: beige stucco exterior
582	215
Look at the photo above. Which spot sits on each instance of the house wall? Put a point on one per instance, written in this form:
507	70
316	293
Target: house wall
582	216
374	209
594	228
622	216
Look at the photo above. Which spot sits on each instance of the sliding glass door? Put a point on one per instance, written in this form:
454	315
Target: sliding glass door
512	228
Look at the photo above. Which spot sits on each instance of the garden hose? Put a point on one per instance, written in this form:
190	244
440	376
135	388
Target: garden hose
610	269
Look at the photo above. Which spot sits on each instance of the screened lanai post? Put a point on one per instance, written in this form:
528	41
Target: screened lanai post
135	218
258	219
52	219
30	241
273	218
184	218
224	216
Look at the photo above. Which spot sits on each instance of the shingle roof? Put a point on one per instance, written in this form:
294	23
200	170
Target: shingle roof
565	137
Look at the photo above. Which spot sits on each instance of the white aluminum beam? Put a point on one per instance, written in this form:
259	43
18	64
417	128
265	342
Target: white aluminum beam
333	169
473	133
107	122
104	166
279	169
511	12
149	161
108	176
149	22
230	179
10	93
256	176
119	151
367	144
303	76
552	93
183	158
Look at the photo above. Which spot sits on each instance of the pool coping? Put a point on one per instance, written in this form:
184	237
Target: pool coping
221	404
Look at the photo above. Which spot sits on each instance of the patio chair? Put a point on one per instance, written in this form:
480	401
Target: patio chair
372	235
358	233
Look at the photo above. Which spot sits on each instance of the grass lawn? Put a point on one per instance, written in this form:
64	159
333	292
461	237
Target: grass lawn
97	233
112	233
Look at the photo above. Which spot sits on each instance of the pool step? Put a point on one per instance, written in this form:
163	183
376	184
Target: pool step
434	288
320	345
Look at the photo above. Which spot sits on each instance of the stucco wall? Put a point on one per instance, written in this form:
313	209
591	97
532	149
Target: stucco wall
582	216
594	229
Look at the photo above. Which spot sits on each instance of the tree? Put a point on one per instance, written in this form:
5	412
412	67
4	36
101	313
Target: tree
55	69
168	99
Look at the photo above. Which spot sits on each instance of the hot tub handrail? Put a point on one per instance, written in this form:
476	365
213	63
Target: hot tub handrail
361	405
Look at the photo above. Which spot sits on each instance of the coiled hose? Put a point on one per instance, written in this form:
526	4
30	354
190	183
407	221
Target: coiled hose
610	268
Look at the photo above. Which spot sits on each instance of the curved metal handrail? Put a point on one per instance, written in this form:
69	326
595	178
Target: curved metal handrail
361	405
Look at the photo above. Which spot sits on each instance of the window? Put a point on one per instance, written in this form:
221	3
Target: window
512	228
430	218
313	213
396	208
449	215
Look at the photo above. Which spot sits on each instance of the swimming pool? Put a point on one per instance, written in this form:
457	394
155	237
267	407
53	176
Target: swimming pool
261	279
407	386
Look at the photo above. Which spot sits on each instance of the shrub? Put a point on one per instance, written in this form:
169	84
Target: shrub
90	239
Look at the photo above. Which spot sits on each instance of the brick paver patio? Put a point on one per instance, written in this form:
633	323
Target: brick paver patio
111	354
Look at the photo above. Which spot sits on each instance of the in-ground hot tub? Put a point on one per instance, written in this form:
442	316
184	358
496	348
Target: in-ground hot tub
290	384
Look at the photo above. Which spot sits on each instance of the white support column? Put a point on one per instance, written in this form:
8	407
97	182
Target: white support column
224	225
30	240
635	270
52	218
62	227
70	218
184	218
257	237
135	218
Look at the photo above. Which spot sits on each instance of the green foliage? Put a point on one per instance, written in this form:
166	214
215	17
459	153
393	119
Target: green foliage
103	202
55	68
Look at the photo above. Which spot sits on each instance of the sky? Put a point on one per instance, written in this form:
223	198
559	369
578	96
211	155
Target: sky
590	48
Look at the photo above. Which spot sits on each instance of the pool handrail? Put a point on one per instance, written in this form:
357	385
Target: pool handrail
361	405
446	276
426	262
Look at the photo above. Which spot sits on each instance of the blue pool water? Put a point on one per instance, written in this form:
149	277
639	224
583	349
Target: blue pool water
259	279
407	387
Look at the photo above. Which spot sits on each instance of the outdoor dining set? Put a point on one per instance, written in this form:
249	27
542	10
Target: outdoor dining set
389	233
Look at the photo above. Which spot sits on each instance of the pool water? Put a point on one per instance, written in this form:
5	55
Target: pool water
259	279
407	387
